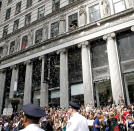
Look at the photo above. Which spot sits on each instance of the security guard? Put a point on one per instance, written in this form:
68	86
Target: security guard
32	115
77	122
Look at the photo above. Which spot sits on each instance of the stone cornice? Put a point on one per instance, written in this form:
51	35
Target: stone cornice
67	34
46	18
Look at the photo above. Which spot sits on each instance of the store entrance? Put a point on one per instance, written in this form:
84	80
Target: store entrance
129	86
103	92
77	93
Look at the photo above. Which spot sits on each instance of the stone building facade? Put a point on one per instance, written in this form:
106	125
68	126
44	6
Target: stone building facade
54	51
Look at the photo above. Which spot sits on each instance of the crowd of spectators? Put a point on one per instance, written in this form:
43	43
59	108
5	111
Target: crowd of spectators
110	118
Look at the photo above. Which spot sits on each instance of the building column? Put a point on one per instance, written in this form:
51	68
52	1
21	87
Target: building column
44	86
14	80
64	96
87	73
28	82
62	27
2	87
114	67
82	15
97	97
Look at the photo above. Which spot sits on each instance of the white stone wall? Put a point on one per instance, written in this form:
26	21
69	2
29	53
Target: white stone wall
48	9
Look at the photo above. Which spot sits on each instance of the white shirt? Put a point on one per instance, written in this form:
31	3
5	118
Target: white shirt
77	123
32	127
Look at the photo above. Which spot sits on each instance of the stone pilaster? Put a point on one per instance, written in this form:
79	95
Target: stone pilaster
87	73
30	37
45	31
14	80
62	27
17	48
2	86
82	15
105	8
28	82
44	86
114	67
64	97
130	3
5	49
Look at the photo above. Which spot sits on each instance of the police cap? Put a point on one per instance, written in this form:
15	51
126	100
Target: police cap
33	110
74	105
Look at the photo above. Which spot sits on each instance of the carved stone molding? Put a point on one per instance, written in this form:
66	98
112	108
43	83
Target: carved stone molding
41	57
109	36
64	50
105	7
82	9
28	62
14	67
62	17
83	44
132	28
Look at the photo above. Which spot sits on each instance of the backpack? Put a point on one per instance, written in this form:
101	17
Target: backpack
113	124
116	128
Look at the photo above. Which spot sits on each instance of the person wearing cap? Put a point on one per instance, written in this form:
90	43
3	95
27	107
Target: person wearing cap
97	125
32	115
77	122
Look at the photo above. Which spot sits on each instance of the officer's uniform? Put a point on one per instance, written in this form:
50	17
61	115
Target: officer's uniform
34	111
77	122
32	127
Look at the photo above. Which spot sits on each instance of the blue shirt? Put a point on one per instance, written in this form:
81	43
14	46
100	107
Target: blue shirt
96	122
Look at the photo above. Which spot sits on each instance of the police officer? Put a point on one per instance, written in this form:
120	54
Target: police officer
77	122
32	115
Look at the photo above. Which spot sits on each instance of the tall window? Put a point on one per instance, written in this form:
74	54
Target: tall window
29	3
94	13
99	53
74	65
28	19
126	45
73	21
41	12
38	35
5	30
8	12
16	25
18	8
54	29
12	47
24	42
56	5
119	5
